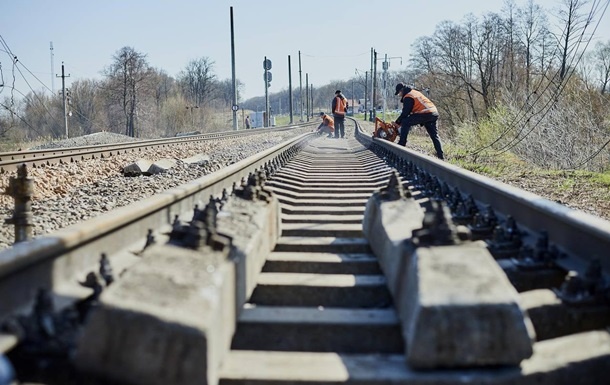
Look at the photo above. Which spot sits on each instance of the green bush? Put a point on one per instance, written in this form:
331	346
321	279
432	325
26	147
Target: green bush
487	133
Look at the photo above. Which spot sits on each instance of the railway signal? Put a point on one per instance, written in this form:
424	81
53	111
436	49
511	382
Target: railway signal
267	78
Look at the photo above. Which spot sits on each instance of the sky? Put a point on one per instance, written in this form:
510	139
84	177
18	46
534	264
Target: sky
334	37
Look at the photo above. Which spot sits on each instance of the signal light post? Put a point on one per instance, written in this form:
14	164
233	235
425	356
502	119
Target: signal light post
267	76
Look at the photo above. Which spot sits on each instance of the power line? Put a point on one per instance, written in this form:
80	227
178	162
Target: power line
596	153
8	51
16	62
37	96
21	118
518	118
562	86
336	56
35	77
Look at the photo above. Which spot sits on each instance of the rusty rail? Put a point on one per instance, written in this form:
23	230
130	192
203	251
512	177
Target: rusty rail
577	233
9	161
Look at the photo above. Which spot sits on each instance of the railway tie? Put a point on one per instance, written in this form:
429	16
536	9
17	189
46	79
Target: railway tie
322	261
321	290
324	311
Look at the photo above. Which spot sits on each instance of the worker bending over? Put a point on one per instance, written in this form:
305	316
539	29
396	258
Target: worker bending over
417	109
327	126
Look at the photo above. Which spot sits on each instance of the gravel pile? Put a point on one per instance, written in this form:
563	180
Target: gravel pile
70	193
87	140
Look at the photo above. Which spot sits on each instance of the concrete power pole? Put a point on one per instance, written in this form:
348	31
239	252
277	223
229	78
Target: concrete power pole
234	106
63	91
307	93
290	88
311	97
300	88
372	100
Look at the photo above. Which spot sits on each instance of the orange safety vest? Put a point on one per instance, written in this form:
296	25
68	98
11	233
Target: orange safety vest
328	121
340	106
421	104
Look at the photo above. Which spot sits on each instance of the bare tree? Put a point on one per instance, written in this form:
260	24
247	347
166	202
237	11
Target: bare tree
511	45
531	21
574	25
164	86
601	63
224	91
198	81
85	106
126	76
43	115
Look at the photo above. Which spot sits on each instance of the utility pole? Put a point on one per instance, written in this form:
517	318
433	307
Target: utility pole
311	96
372	85
300	87
374	115
290	88
234	106
386	65
307	93
63	91
52	69
366	83
352	98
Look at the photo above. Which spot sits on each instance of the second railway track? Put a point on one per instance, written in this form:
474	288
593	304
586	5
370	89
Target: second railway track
313	296
9	161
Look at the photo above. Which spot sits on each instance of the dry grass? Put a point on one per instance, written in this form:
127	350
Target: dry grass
582	190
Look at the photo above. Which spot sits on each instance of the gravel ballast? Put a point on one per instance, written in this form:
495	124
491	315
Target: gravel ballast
70	193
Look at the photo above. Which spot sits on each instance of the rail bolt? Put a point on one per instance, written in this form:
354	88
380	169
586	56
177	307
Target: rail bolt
21	189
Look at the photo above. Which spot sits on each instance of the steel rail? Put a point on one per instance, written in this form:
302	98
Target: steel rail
9	161
577	233
57	261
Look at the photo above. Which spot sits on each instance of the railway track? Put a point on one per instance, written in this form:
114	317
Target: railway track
331	282
9	161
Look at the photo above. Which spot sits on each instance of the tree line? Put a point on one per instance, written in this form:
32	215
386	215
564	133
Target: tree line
133	98
524	81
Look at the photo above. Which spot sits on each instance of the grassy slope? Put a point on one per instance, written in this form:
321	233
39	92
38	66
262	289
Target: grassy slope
583	190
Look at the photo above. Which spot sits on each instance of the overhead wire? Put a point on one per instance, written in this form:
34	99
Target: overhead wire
518	118
562	86
15	65
38	97
15	61
8	51
40	81
1	78
335	56
22	119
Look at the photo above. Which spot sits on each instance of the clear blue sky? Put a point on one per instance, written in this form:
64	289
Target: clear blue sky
334	37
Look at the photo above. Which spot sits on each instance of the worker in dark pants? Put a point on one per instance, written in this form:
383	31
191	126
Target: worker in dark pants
339	108
417	109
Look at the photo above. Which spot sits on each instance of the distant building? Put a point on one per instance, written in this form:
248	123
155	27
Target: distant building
354	105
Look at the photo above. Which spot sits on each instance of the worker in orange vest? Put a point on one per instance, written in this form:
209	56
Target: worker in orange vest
327	125
339	108
417	109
